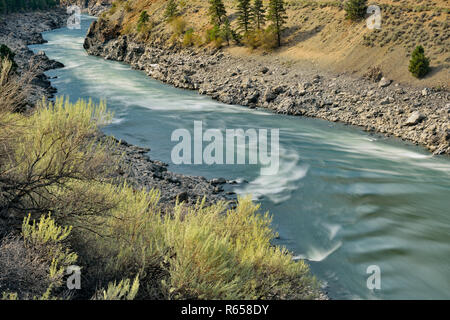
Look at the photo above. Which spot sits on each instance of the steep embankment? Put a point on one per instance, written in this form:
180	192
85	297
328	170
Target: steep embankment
418	115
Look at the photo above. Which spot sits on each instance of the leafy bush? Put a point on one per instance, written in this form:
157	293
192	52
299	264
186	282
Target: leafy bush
171	10
33	266
419	65
121	291
355	9
199	252
60	136
263	38
178	26
229	256
190	38
47	239
213	35
144	18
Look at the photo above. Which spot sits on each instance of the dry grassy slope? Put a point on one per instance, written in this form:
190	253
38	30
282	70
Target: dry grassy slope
318	33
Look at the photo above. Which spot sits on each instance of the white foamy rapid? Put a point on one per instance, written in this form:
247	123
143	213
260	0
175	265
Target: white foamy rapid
277	187
318	254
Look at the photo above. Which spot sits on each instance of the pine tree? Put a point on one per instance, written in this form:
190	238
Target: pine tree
277	15
419	65
171	10
244	14
226	32
355	9
217	12
259	13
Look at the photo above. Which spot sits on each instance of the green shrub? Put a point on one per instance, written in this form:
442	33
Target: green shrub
32	267
419	65
189	38
60	135
213	35
47	238
144	18
263	38
200	252
124	290
355	9
171	10
178	25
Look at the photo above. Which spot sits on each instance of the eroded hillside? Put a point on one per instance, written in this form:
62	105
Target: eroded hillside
318	34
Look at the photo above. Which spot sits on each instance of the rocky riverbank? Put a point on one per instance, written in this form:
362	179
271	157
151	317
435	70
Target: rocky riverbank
142	172
18	31
421	116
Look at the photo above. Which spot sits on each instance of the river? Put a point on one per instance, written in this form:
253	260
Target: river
343	199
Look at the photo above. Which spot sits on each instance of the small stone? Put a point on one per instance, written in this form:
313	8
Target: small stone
384	82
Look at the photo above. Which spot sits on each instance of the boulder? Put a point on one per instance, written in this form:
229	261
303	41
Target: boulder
218	181
384	82
415	118
425	92
269	95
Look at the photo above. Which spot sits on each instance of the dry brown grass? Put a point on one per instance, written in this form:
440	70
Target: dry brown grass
317	32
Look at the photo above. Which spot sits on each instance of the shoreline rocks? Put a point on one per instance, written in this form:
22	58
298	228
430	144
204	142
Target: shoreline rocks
267	82
142	172
18	31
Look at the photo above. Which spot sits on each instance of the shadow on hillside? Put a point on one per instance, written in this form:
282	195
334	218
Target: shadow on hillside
433	71
295	36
